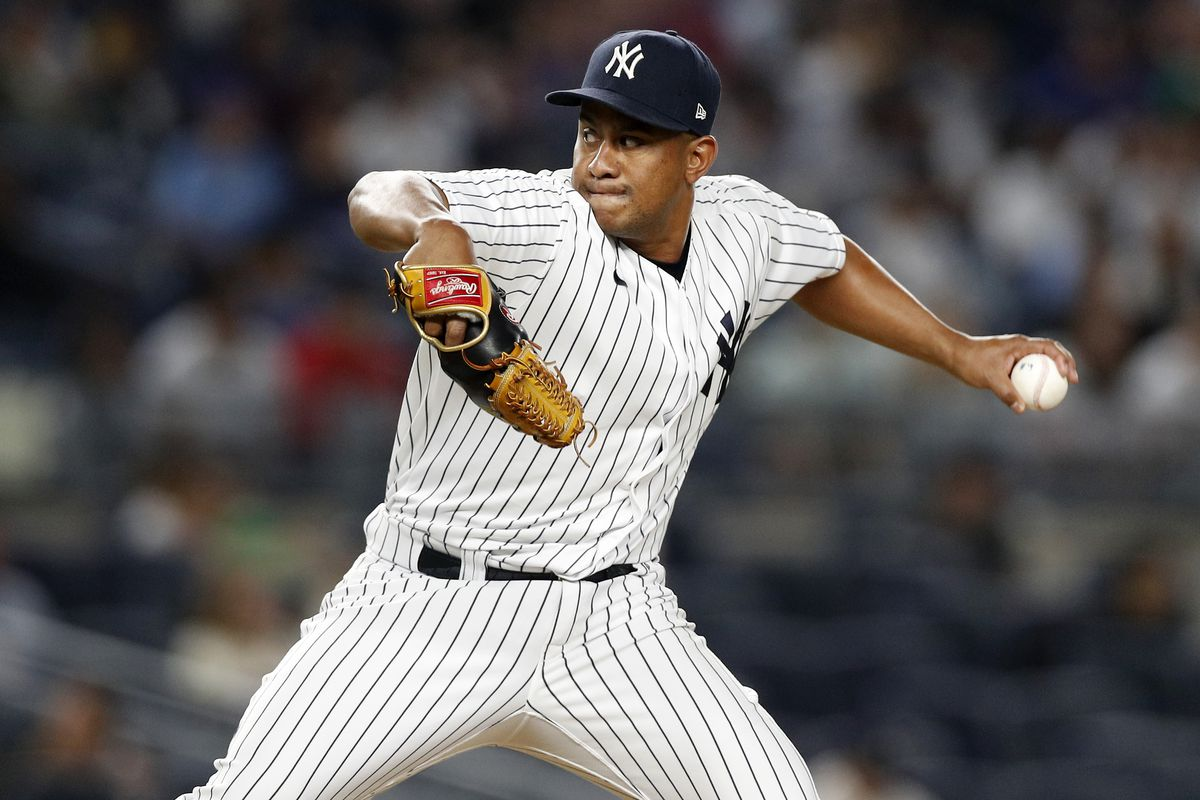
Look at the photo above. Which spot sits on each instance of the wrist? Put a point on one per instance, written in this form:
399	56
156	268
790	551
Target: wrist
954	352
441	239
438	226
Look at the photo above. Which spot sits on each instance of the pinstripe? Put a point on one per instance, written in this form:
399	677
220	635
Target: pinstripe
427	708
512	464
674	714
523	615
367	659
716	686
445	617
283	705
451	444
723	707
569	710
691	654
607	723
362	667
370	691
432	748
252	720
630	703
716	743
634	711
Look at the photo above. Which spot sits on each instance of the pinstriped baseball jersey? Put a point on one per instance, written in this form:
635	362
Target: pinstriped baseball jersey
648	355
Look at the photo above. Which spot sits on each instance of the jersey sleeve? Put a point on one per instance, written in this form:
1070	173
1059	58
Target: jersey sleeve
513	218
798	246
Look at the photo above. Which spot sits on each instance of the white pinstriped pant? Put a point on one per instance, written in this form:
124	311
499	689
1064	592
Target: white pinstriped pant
399	671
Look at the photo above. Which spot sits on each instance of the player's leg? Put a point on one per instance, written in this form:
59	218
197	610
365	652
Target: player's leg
396	672
645	694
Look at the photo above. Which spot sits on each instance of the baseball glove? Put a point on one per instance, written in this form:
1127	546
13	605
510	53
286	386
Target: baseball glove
496	364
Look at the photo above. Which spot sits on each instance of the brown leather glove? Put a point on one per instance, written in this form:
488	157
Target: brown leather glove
496	364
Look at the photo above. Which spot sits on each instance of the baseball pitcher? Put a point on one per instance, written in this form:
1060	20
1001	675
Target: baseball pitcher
582	328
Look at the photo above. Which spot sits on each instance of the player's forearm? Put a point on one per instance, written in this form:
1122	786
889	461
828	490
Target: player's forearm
391	210
863	299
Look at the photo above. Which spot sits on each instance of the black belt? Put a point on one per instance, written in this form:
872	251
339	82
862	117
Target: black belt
441	565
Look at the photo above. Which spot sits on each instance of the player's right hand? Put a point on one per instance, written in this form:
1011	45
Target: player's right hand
986	362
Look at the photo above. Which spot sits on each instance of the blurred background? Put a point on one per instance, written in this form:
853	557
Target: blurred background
199	376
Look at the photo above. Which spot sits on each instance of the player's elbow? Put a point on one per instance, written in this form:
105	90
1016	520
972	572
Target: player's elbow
359	201
366	203
376	210
387	207
362	190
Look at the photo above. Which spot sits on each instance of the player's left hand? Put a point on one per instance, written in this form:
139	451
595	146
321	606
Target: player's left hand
986	362
449	330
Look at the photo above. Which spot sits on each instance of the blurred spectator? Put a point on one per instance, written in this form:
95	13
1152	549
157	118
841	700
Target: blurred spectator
161	533
1160	383
965	501
74	753
1092	71
211	370
98	402
419	118
29	406
347	367
341	357
1104	333
1033	230
24	606
928	254
860	775
240	632
1140	626
221	182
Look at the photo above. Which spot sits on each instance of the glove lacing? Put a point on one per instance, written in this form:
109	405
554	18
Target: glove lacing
540	414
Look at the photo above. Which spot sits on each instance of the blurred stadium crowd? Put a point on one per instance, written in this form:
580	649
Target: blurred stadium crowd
199	378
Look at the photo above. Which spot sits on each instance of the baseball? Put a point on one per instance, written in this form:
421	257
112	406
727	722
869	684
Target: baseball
1039	382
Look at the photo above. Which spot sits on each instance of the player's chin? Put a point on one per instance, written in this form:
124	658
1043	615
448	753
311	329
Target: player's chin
610	211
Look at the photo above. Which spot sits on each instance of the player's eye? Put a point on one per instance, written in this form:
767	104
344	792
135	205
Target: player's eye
630	141
588	135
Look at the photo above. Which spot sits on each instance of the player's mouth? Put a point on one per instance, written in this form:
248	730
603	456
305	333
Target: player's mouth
604	195
603	189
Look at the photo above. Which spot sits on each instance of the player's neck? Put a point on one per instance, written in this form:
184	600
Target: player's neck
675	268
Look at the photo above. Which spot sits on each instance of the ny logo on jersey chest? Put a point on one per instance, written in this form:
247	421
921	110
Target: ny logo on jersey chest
728	343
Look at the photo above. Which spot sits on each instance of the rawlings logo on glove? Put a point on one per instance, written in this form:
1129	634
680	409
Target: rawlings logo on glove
449	287
496	364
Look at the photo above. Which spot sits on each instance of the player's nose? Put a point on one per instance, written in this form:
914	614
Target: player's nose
602	164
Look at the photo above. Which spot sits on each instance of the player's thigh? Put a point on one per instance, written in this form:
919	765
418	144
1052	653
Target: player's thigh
365	697
673	719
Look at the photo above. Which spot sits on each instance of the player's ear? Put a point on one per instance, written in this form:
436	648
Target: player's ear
701	153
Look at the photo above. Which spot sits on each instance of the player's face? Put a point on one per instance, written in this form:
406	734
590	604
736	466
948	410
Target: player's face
635	178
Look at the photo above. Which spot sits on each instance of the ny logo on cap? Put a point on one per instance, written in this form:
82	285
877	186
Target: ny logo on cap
621	58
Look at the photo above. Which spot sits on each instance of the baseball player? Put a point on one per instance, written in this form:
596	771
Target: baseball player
510	593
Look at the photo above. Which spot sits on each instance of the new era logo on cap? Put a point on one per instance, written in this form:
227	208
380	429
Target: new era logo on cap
661	79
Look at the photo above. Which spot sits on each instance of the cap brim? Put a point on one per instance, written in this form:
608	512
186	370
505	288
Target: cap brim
626	105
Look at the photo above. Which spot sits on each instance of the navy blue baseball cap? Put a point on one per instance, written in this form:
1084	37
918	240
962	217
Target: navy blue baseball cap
661	79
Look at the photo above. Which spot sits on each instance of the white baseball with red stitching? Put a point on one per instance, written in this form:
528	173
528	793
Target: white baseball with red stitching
1038	381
